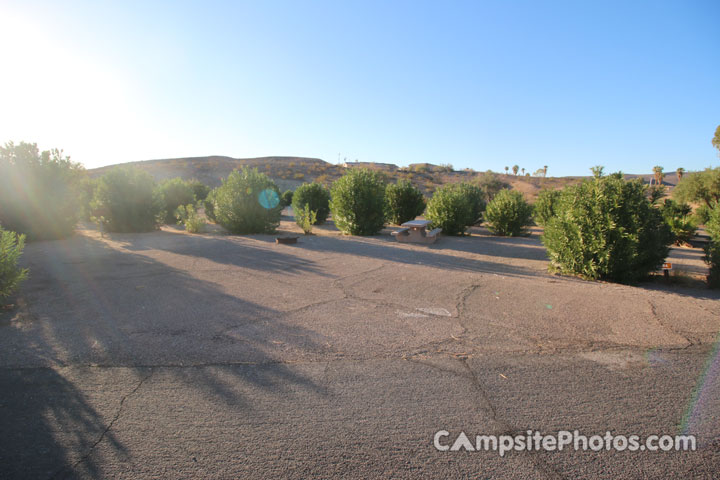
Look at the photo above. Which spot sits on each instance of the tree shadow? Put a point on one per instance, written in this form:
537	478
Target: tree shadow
225	250
45	419
91	305
524	248
481	242
386	248
686	253
699	291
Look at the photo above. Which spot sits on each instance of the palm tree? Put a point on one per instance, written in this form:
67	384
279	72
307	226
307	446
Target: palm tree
506	170
523	171
680	172
659	175
515	169
545	171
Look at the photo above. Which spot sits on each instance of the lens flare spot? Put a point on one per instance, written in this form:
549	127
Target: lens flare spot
269	198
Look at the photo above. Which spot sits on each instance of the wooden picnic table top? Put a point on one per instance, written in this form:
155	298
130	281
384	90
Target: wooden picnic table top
416	224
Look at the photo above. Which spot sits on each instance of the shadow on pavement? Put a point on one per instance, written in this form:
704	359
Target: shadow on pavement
38	406
388	250
687	253
91	305
226	250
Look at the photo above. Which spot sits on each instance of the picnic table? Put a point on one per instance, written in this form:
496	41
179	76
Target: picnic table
415	231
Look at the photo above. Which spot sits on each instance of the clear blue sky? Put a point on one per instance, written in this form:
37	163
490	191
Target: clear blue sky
628	85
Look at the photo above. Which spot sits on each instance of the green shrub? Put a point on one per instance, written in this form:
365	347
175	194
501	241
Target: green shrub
476	197
125	200
39	192
358	202
702	214
11	247
315	195
403	202
86	193
200	190
509	214
699	187
209	205
247	202
680	219
172	194
188	216
450	209
286	198
305	218
712	250
712	257
545	206
607	229
655	193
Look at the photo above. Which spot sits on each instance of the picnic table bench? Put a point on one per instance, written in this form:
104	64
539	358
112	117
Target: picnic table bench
415	231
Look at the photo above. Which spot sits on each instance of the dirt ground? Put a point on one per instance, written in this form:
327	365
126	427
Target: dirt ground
170	355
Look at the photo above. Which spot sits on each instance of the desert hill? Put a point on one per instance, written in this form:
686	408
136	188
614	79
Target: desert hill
290	172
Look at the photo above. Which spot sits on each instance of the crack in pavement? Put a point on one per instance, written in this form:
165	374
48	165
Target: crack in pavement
653	311
470	375
68	470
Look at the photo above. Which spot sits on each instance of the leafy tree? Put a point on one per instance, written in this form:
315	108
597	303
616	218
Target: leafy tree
607	229
680	219
476	197
716	138
712	250
305	218
597	171
403	201
315	195
200	190
655	193
173	193
11	247
247	202
286	198
545	206
358	202
450	209
125	201
39	192
699	187
86	195
209	205
509	214
188	216
702	214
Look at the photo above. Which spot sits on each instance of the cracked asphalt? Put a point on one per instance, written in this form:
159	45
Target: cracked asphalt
166	355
